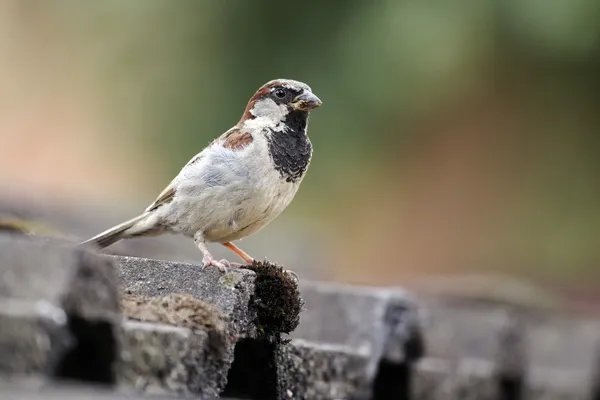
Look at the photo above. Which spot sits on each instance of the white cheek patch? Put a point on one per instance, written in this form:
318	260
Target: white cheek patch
267	114
267	108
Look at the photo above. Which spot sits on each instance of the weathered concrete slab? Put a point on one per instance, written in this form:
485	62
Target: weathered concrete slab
36	389
231	292
182	346
558	384
298	370
384	323
58	310
258	300
317	371
456	330
258	303
352	342
164	359
437	379
477	379
75	279
373	332
561	341
34	337
541	355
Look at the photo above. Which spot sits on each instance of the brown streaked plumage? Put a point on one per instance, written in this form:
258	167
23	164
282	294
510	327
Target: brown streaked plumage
237	139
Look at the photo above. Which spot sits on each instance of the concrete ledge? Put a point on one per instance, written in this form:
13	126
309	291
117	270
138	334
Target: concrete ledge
257	300
37	389
477	379
380	322
59	308
316	371
184	346
258	303
437	379
178	331
164	359
230	292
34	337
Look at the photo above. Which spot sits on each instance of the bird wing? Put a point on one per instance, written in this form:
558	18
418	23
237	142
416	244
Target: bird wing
234	139
165	197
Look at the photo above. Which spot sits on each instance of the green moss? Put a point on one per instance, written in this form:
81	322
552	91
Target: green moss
229	279
276	299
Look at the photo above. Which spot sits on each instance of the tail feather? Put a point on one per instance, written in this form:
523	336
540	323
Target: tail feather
115	233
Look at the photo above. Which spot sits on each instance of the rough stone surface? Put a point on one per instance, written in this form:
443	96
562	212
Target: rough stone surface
34	337
298	370
161	359
437	379
187	350
383	323
318	371
562	341
557	384
477	379
537	355
230	292
183	327
73	278
258	301
346	336
221	309
463	330
36	389
352	342
58	307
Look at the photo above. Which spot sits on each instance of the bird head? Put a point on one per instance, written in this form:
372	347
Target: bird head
276	99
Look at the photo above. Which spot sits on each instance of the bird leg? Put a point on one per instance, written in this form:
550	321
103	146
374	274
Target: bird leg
207	259
243	255
249	260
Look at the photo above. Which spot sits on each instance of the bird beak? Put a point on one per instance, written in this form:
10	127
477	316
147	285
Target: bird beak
306	101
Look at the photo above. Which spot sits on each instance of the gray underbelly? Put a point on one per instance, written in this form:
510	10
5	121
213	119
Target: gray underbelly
224	217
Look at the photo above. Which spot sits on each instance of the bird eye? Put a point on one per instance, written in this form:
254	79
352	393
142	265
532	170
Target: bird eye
280	93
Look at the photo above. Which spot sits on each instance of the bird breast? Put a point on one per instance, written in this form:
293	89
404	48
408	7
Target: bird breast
228	194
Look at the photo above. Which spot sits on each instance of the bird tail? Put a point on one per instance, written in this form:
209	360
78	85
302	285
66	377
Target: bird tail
116	233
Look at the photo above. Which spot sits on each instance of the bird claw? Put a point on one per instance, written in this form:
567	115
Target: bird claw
223	265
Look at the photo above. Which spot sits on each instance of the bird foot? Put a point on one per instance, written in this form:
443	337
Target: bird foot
223	264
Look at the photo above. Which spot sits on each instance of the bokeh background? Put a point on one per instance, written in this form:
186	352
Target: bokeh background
458	142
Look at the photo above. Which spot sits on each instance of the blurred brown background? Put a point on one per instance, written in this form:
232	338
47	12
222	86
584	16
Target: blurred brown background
456	139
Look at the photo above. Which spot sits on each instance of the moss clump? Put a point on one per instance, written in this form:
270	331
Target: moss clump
174	309
181	309
276	299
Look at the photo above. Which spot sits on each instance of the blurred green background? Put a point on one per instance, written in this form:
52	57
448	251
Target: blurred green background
456	137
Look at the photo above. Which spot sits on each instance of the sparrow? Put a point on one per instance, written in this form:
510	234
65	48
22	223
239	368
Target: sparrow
240	182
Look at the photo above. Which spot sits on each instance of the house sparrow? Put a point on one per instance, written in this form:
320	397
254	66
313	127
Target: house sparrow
238	183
